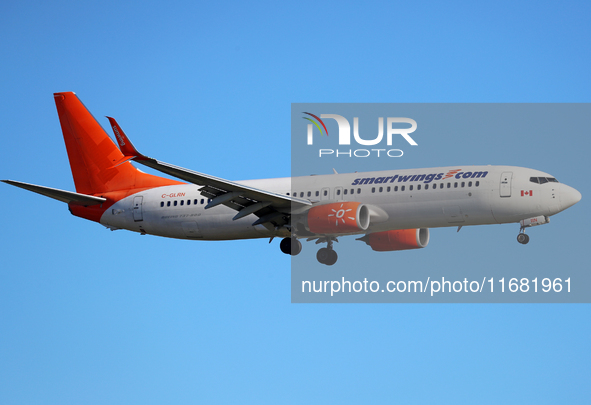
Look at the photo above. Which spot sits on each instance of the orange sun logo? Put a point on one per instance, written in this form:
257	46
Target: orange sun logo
340	214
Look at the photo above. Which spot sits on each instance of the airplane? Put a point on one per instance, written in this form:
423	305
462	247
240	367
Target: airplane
392	209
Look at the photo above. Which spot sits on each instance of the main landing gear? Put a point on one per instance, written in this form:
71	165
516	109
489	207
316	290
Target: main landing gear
290	246
327	255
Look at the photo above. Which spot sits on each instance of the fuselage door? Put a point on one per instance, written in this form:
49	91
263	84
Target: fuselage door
137	208
325	193
505	187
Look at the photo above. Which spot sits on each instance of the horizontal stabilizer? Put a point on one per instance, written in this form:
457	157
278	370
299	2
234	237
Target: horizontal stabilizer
60	195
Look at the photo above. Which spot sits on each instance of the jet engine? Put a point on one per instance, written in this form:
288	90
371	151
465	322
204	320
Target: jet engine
402	239
338	218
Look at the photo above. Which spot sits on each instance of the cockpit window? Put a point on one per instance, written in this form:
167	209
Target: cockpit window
542	180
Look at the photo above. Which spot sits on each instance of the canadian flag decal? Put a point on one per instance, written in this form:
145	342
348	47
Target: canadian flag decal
527	193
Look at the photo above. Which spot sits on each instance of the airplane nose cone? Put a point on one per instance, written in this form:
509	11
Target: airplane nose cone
569	197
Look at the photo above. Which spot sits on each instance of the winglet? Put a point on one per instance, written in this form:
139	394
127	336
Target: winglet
127	148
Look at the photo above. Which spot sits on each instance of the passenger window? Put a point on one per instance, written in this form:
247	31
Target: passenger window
410	188
427	186
477	184
345	191
188	202
373	189
419	187
402	188
309	194
338	192
395	188
202	200
469	184
358	191
317	193
381	189
325	193
463	184
448	185
168	204
456	184
175	203
162	203
182	202
388	190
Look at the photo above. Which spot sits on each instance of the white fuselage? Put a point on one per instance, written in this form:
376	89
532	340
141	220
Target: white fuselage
400	199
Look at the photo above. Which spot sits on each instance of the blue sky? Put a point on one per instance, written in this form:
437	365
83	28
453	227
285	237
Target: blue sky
93	316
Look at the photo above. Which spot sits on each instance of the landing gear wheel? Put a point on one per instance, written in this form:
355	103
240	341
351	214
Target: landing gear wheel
523	238
290	246
332	258
285	246
322	255
296	247
327	256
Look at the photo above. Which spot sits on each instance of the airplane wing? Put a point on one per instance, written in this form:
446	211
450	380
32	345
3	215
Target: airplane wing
60	195
268	206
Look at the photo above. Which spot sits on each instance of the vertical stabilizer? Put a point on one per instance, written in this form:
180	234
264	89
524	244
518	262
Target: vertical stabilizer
94	156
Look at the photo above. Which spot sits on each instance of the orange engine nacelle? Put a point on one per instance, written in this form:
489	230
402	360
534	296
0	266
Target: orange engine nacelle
338	218
402	239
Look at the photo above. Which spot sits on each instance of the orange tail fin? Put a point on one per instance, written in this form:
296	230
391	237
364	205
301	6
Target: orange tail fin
94	156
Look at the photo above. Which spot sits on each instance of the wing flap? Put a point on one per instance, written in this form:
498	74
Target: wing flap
244	198
221	186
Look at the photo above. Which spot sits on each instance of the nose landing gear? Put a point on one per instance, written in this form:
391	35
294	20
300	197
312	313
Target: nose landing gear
527	223
522	238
